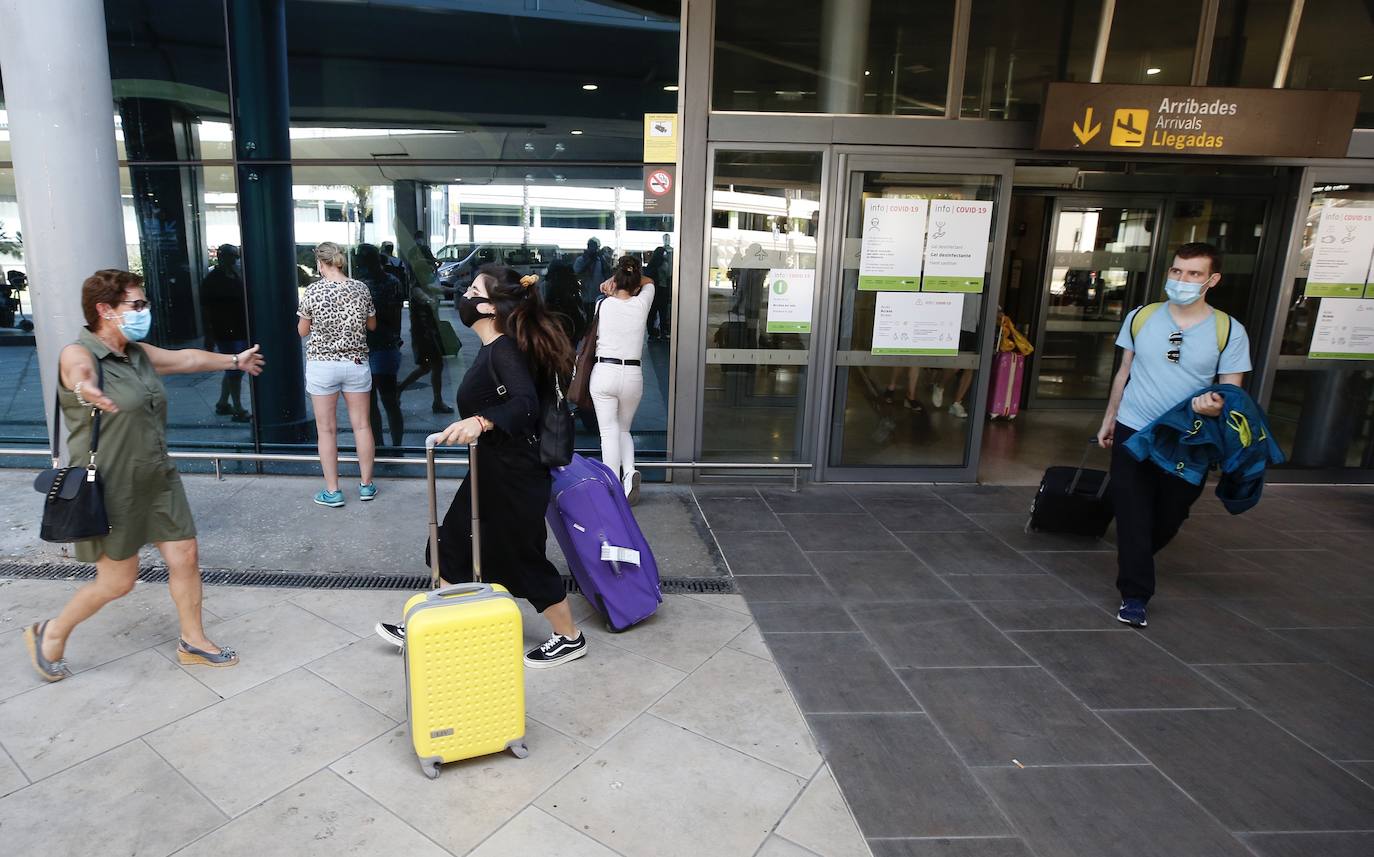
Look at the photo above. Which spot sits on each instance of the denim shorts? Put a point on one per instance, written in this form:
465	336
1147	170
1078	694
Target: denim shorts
324	377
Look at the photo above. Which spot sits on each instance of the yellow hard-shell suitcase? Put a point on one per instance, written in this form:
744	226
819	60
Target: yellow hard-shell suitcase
464	658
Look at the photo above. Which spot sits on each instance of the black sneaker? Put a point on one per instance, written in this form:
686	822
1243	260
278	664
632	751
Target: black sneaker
556	650
1132	613
393	634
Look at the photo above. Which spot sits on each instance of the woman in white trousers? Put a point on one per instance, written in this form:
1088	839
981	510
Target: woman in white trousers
617	382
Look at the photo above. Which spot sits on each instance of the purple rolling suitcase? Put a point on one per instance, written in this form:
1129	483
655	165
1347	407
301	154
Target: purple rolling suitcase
608	555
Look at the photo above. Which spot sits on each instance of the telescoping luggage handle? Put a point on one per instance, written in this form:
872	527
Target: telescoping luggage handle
435	580
1078	474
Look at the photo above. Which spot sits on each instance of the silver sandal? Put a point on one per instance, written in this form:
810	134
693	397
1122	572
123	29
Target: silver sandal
49	670
191	656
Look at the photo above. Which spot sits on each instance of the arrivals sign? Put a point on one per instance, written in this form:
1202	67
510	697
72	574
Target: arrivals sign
1197	120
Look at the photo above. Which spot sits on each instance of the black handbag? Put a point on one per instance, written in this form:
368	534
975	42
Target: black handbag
74	505
555	430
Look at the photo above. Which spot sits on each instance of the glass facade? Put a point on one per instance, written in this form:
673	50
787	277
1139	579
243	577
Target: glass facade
1249	36
1015	49
398	120
1333	51
1322	410
1153	41
886	57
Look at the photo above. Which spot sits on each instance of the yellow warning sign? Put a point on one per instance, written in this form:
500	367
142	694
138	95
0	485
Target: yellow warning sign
1128	127
660	138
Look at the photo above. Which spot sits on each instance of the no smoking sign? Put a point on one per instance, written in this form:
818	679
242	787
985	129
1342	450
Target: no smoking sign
660	189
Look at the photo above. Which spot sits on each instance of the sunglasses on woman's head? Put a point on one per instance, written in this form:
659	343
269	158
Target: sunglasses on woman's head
1175	340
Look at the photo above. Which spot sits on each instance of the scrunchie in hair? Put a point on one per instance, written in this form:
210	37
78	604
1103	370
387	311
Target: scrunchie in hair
529	280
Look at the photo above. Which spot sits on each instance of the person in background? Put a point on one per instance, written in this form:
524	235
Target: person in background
144	497
564	299
423	252
383	343
1174	355
224	318
395	265
660	271
426	344
523	350
336	313
617	382
593	269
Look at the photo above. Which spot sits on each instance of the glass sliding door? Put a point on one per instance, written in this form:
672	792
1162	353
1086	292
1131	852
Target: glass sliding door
1098	267
761	279
908	304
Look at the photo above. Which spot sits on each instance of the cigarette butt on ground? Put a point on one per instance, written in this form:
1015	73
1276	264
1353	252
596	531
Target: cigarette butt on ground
1017	764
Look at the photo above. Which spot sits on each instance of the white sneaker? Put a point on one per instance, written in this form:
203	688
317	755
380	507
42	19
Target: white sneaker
937	398
632	487
959	410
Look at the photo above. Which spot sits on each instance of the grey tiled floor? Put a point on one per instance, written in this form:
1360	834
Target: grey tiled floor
676	738
973	694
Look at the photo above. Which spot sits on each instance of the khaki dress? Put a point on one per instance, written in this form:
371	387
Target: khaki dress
143	493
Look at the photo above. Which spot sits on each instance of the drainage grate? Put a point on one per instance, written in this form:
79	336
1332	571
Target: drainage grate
310	580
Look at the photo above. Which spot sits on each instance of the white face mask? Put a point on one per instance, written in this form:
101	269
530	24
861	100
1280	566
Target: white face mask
1181	293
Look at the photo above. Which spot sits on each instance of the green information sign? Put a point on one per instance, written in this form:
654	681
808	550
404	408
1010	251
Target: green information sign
889	284
918	352
1335	290
952	284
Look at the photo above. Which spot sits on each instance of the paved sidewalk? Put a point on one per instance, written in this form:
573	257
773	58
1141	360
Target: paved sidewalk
677	738
974	695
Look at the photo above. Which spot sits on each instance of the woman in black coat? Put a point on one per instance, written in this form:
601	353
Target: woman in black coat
523	347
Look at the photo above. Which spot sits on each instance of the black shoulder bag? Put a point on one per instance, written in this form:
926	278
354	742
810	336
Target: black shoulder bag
74	506
555	438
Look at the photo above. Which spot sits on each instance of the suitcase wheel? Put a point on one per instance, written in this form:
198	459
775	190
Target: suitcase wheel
430	767
519	749
1011	416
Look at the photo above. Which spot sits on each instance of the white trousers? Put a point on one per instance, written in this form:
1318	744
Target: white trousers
616	391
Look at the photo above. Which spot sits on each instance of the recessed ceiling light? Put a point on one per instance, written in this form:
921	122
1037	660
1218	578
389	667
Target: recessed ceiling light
590	87
576	132
672	87
1367	77
1153	70
867	73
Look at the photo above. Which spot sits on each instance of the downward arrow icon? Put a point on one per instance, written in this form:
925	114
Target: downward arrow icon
1087	130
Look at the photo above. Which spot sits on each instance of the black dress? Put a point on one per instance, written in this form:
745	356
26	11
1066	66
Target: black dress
514	486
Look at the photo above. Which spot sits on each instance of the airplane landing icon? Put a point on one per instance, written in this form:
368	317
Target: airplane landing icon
1128	127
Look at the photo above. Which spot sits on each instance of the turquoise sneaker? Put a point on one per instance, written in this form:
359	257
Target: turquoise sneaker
330	498
367	491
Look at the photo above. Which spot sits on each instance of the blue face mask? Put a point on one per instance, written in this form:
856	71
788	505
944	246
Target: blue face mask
136	324
1182	293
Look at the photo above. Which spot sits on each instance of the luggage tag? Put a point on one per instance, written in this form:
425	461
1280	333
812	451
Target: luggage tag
611	553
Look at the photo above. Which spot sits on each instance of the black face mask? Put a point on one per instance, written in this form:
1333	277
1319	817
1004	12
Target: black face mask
468	313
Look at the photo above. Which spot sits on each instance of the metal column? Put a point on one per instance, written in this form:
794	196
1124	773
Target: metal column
56	67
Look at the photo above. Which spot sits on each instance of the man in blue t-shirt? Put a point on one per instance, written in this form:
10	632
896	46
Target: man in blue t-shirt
1172	356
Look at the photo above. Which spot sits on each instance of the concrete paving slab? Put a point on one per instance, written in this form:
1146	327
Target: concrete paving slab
750	641
657	790
162	814
270	642
534	831
820	820
369	670
11	778
683	634
321	816
51	728
471	799
625	684
248	748
742	702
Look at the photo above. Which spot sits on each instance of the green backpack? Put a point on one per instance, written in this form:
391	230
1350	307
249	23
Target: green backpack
1223	321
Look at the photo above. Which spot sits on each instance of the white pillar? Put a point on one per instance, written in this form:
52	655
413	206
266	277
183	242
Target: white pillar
66	171
843	54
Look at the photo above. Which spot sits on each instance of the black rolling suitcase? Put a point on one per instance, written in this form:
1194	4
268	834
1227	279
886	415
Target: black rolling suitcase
1072	500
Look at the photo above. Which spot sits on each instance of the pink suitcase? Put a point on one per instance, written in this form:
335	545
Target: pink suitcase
1004	395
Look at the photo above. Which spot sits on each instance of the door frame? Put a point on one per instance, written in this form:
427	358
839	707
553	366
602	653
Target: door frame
844	162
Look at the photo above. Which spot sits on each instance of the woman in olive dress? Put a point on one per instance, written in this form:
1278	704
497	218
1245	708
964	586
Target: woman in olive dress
143	494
